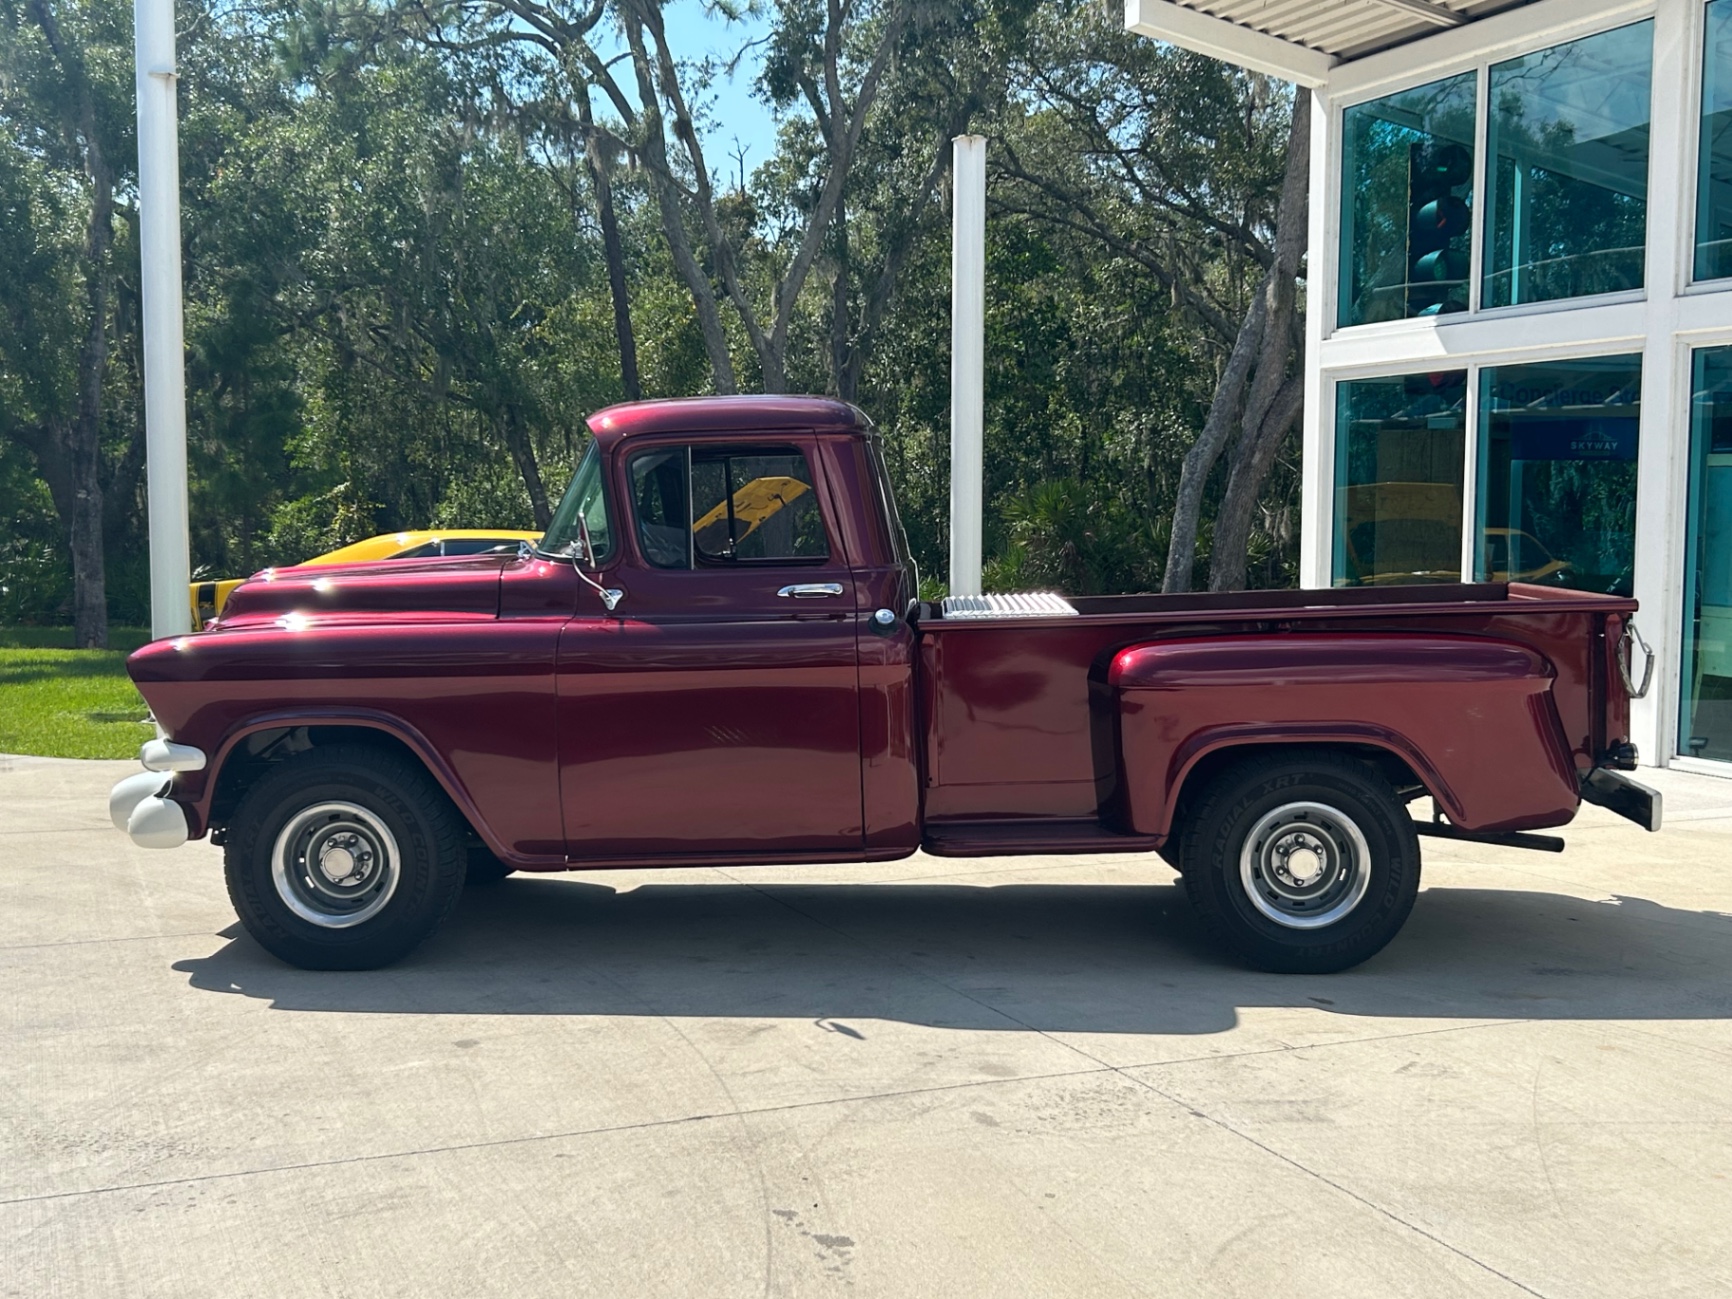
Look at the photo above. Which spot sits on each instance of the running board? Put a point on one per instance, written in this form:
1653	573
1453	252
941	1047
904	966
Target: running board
1503	838
1018	838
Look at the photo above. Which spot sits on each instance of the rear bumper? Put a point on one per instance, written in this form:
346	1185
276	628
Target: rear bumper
1630	799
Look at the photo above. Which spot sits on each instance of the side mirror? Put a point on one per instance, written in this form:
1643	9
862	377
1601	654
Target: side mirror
610	595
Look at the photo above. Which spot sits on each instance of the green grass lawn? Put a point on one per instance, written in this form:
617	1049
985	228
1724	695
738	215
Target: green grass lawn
58	702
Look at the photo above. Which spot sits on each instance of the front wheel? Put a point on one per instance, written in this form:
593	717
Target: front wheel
1301	865
344	859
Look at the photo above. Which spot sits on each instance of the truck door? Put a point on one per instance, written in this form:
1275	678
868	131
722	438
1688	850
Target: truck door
717	712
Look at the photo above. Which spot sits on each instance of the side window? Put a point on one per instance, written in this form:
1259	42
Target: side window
755	505
658	492
701	506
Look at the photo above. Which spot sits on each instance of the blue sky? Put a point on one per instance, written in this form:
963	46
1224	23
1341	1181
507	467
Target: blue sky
734	114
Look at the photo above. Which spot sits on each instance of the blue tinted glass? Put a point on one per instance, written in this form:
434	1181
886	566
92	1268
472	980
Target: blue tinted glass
1714	179
1567	181
1398	459
1406	203
1705	720
1557	473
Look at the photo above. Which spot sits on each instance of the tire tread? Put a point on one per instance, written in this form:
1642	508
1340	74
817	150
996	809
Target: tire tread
1208	860
413	797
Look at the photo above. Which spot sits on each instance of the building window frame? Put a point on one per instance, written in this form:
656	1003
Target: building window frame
1480	64
1468	559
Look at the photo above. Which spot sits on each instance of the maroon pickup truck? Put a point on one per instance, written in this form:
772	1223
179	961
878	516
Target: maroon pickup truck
715	654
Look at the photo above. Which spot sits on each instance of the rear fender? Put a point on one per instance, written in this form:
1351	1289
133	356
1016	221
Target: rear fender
1471	717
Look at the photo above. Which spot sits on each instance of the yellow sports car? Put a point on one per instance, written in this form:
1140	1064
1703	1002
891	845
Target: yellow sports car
208	598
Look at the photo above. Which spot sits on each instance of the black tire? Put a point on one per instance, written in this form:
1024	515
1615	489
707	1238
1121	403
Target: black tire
485	870
394	831
1322	812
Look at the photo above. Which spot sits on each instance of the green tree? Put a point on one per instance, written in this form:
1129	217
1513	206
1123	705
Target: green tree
66	144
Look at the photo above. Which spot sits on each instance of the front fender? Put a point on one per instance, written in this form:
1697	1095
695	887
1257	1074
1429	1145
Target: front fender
199	804
1472	717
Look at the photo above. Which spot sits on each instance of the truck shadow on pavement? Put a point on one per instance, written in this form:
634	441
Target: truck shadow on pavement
1107	959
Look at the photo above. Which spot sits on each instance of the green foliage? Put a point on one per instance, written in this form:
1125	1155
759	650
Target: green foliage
398	309
35	571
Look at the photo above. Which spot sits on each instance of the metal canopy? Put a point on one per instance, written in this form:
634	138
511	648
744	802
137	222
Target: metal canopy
1301	39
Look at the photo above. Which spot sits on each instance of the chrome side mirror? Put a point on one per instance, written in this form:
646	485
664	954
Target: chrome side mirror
610	595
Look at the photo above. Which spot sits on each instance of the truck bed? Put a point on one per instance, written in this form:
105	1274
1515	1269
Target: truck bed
1021	725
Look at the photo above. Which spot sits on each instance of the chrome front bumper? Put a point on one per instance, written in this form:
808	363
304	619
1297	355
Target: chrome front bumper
140	804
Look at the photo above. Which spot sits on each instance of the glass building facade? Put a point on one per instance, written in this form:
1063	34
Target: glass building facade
1567	175
1714	171
1398	506
1407	203
1705	715
1526	364
1557	473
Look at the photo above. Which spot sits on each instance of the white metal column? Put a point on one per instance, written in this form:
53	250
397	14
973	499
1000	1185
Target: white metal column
1661	471
1317	472
967	363
164	353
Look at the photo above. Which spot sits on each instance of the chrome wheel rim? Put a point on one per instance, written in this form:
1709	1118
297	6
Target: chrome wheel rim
1305	865
335	865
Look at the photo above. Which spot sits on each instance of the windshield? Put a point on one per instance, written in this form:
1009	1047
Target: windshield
583	497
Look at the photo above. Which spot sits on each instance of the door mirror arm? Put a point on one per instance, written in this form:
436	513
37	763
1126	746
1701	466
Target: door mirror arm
584	553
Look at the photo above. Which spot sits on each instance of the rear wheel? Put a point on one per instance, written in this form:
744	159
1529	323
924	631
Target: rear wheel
344	859
1301	865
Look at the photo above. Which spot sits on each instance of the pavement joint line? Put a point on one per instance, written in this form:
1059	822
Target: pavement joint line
537	1138
90	942
1322	1046
1330	1182
1222	1124
1682	1044
58	834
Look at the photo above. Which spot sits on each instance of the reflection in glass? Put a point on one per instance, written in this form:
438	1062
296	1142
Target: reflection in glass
1714	176
658	494
1557	473
1705	720
1406	203
1398	462
584	499
1567	184
750	505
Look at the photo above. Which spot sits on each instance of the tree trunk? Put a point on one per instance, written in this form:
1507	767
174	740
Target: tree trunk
89	576
654	147
612	249
1200	459
1253	457
83	440
842	369
523	456
1251	388
1277	398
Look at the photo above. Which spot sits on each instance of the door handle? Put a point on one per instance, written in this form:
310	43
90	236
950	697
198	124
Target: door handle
810	590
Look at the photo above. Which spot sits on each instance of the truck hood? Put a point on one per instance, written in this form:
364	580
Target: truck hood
395	590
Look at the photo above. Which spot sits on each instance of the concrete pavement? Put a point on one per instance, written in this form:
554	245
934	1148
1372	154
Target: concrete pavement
1017	1077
